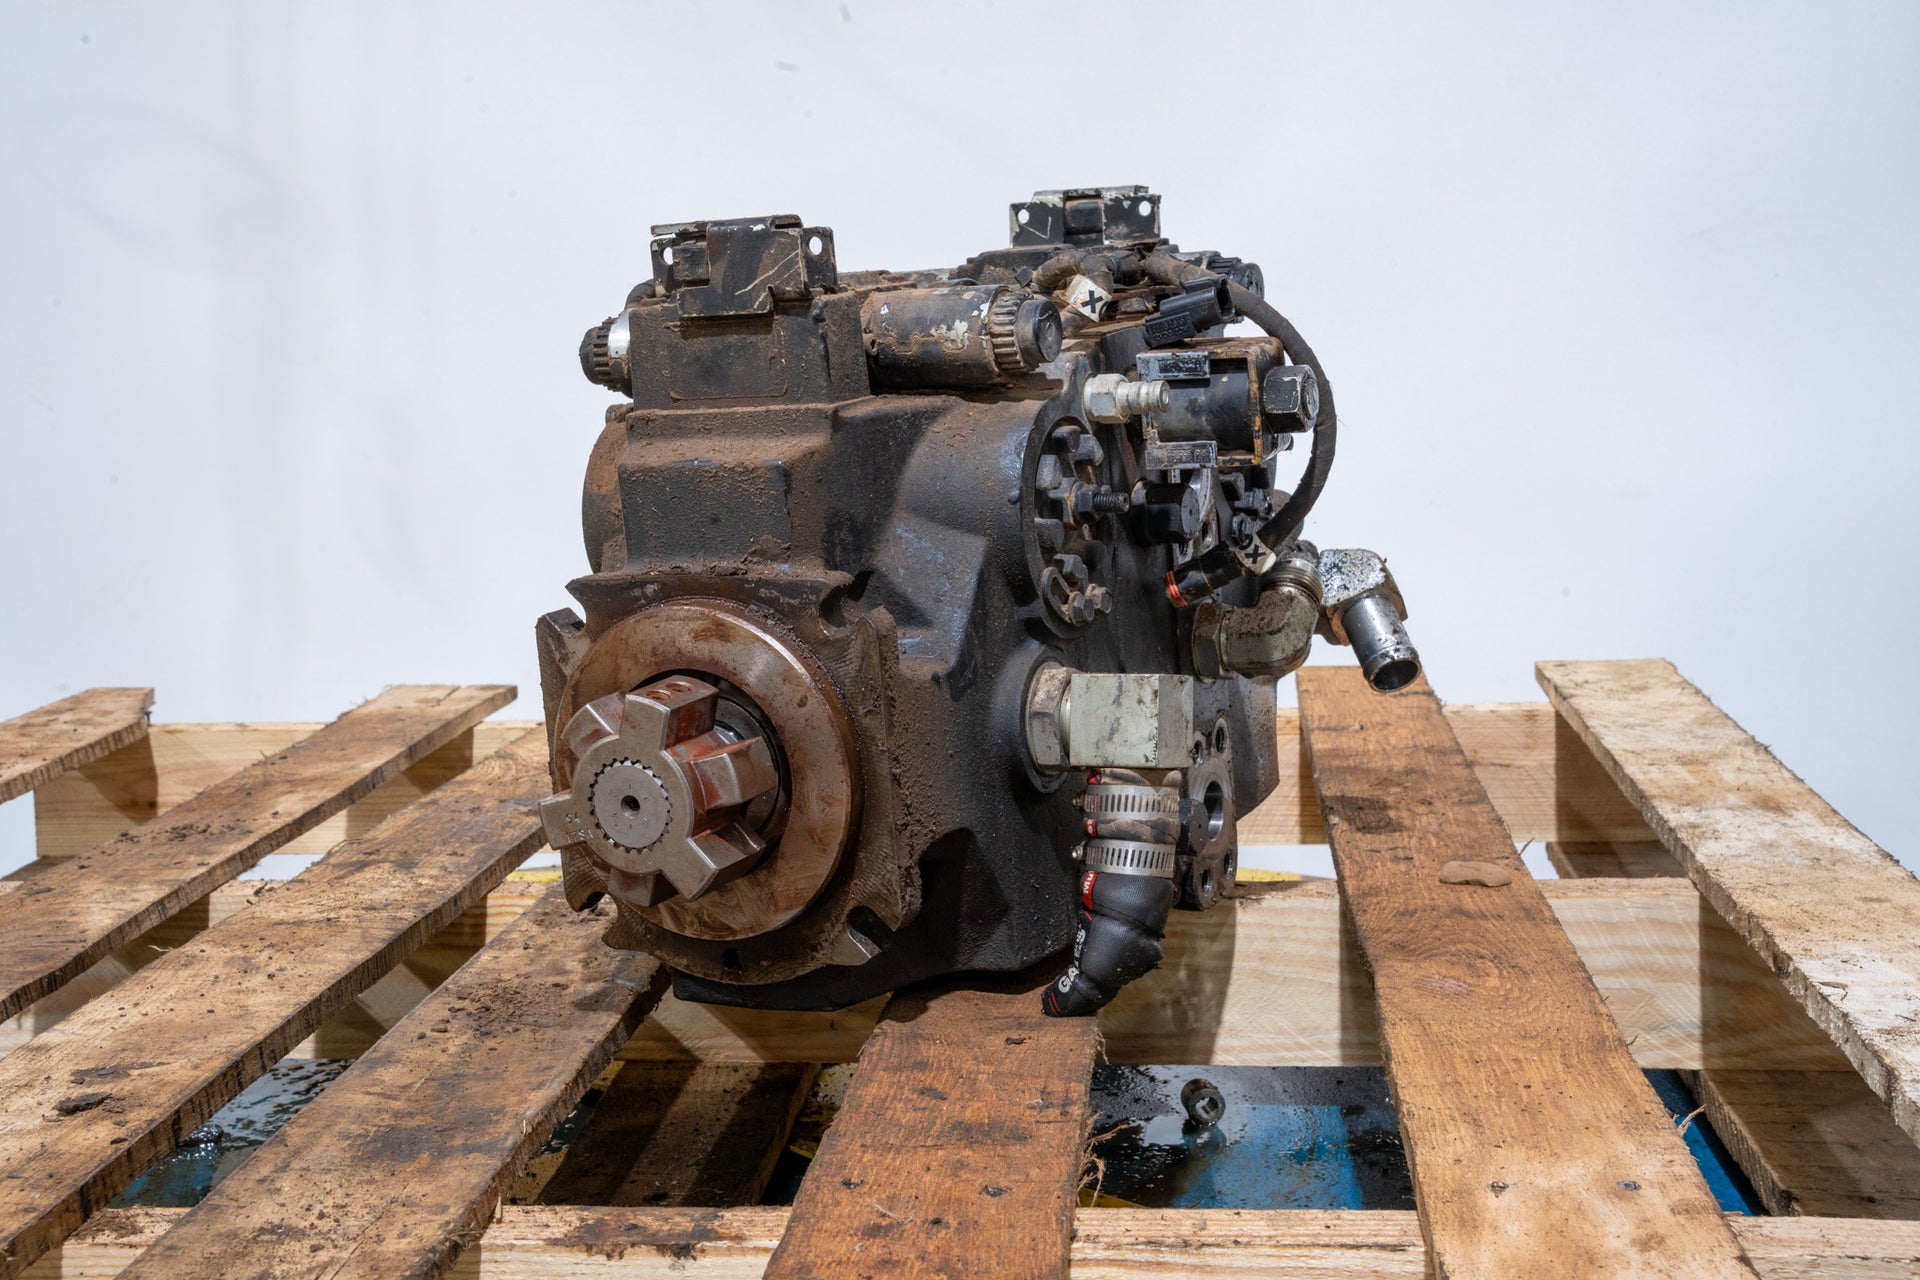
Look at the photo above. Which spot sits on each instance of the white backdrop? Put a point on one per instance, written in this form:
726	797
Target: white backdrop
1620	305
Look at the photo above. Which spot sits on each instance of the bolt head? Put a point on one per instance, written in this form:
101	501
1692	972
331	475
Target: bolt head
1290	398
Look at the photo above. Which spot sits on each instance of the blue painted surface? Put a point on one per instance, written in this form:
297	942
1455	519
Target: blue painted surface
1302	1138
1729	1186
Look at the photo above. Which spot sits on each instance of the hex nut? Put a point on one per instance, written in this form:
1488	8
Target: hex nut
1291	396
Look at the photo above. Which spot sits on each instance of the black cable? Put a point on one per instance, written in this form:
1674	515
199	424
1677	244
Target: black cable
1287	521
1201	577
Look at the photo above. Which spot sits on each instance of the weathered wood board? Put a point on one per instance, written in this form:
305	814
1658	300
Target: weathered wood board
1825	907
1683	987
1536	1145
552	1243
88	806
86	1106
75	912
683	1133
959	1146
1627	860
404	1158
1546	785
1810	1141
1814	1142
38	746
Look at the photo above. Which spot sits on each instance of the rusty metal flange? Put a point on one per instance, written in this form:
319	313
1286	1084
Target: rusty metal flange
698	640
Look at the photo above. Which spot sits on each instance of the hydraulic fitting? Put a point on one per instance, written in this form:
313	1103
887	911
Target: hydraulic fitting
1274	635
1362	606
1114	397
1078	719
1126	891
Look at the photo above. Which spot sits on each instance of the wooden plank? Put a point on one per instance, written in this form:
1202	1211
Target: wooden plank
1814	1142
1268	978
110	972
1131	1244
1536	1144
578	1243
683	1133
1273	978
88	1105
404	1158
73	913
92	804
1826	908
1546	785
40	745
959	1146
352	1030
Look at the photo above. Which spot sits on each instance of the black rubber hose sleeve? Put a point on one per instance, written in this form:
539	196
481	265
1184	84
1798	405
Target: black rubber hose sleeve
1199	578
1293	513
1123	920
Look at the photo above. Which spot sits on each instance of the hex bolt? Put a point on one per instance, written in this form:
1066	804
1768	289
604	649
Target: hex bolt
1291	396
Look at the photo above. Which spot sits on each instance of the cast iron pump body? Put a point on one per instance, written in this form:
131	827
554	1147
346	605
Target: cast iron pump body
935	616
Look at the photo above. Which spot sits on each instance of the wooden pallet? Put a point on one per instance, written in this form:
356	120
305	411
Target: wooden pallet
1715	916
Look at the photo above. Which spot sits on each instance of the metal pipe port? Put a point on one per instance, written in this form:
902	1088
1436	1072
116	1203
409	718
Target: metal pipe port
1379	638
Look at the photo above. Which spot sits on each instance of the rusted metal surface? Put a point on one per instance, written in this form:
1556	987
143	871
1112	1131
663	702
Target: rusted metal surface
662	793
869	510
813	819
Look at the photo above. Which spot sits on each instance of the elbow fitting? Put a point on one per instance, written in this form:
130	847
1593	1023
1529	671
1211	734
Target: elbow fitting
1362	607
1274	635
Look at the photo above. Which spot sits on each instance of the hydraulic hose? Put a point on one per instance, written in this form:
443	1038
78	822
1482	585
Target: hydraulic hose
1293	513
1133	829
1123	920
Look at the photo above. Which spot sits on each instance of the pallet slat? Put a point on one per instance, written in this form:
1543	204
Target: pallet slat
1814	1142
1810	1142
959	1145
1627	860
89	806
540	1243
1535	1143
89	1104
1542	779
1546	785
1827	909
75	912
1271	978
125	961
40	745
404	1158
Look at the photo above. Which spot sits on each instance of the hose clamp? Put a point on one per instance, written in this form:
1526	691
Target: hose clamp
1130	858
